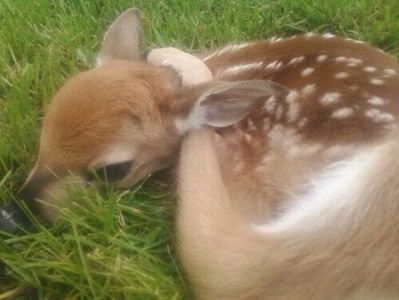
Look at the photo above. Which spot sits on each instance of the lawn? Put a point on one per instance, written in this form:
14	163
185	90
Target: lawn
119	244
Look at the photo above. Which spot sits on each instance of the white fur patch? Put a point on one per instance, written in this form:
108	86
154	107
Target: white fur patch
321	58
370	69
282	136
307	71
377	101
279	112
341	75
275	39
353	62
333	193
270	104
229	48
194	120
350	61
296	60
389	72
330	98
376	81
378	116
328	36
342	113
292	96
241	68
293	112
308	89
341	59
275	65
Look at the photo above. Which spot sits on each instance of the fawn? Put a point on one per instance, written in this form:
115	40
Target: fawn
288	173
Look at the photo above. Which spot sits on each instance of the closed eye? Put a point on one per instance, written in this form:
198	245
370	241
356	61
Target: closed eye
112	172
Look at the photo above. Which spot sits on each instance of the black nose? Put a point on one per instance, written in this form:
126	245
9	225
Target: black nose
13	220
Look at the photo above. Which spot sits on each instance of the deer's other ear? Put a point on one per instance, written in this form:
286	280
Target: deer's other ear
227	103
122	39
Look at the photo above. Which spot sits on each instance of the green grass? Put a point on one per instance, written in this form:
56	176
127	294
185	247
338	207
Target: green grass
119	244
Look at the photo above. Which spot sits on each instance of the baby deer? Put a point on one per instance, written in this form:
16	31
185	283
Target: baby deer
288	175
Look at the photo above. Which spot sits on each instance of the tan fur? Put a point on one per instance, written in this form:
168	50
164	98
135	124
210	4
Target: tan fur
227	259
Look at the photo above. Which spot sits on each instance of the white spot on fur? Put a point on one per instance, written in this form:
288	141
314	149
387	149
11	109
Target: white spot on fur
307	71
376	81
296	60
341	75
279	112
292	96
229	48
293	112
321	58
194	120
275	65
310	34
275	39
283	136
328	36
342	113
308	89
251	125
389	72
330	98
353	62
266	125
247	137
341	59
377	101
270	104
378	116
355	41
370	69
237	69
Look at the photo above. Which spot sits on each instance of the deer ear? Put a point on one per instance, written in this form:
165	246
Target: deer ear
122	39
227	103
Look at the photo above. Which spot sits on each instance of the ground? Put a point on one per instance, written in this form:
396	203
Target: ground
119	244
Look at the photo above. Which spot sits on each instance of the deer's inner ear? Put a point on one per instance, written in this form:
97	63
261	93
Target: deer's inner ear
112	172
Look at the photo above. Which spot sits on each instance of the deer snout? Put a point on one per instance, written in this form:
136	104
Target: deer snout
13	218
42	194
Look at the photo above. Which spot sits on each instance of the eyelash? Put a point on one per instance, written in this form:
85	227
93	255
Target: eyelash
112	172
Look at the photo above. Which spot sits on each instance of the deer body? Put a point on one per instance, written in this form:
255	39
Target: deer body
329	112
271	206
293	192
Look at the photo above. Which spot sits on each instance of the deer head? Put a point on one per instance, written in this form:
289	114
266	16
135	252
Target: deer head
126	117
